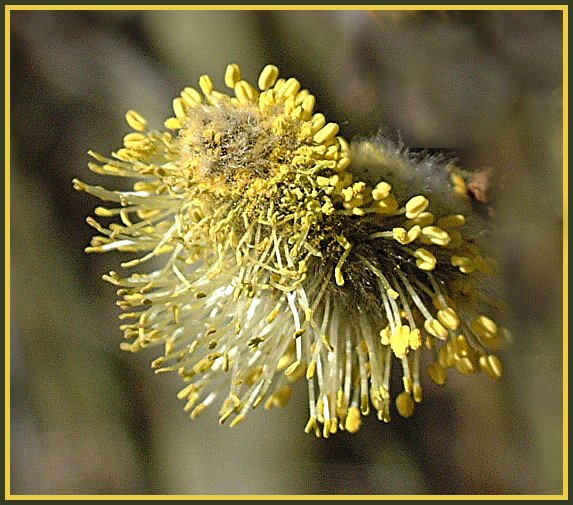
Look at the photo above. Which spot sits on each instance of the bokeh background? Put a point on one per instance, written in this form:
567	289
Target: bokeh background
87	418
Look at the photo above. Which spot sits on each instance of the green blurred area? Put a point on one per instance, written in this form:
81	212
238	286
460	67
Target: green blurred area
87	418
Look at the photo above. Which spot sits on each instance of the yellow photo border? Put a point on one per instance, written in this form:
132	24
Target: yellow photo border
7	492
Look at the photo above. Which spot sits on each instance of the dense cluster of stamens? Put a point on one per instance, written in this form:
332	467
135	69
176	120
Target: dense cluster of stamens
279	263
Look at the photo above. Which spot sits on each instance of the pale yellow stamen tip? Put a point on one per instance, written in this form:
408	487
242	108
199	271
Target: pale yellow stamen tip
244	92
435	328
309	103
425	259
453	221
326	133
240	418
436	235
268	77
135	121
486	324
191	97
179	108
491	365
172	123
232	75
449	318
415	206
206	84
381	191
466	265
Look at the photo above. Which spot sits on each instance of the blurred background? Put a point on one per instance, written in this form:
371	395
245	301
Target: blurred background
87	418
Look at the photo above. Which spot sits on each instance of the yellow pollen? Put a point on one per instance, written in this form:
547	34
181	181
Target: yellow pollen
353	420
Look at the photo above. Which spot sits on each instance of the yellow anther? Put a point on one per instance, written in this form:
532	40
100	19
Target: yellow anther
456	239
292	368
452	221
240	418
385	336
198	410
244	92
491	365
268	77
280	398
135	141
485	324
392	294
342	164
191	97
287	88
311	370
179	108
488	266
425	259
387	205
232	75
465	365
437	373
445	358
422	219
186	391
449	318
381	191
461	346
353	420
206	84
136	121
405	404
412	234
436	235
326	133
317	122
399	234
466	265
415	206
172	123
308	104
341	239
435	328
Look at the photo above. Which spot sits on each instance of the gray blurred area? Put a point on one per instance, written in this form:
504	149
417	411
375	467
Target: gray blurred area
87	418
